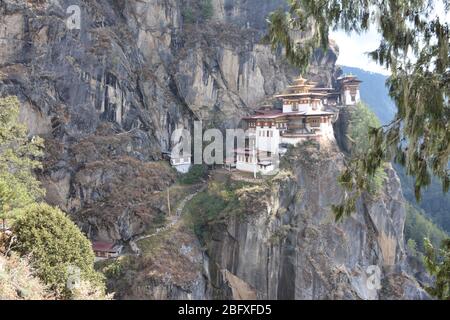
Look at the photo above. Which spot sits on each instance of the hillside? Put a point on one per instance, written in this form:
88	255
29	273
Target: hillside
374	93
18	282
435	203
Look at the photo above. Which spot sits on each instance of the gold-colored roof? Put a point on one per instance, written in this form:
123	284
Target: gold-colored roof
300	81
299	86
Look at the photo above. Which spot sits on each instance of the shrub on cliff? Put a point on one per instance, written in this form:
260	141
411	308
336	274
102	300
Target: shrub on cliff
221	199
18	282
61	254
195	175
437	263
362	121
19	156
207	9
198	11
418	227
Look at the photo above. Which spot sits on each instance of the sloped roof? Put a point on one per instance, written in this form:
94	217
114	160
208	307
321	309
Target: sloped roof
103	246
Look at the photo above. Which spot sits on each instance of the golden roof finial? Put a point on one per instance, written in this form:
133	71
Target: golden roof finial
300	80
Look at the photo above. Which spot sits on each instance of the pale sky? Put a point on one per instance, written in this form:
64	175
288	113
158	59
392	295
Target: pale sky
353	47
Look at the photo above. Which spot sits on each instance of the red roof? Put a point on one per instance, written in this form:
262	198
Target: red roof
278	114
103	246
266	114
270	114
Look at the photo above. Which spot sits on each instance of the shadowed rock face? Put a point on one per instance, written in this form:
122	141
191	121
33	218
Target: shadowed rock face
117	88
106	99
288	246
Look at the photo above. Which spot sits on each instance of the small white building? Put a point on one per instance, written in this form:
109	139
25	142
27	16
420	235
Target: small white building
181	163
349	90
249	160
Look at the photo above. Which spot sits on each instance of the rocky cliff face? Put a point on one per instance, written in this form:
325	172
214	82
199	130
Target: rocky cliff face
288	246
116	89
106	99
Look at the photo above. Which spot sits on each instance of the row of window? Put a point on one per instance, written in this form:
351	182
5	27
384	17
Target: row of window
247	159
264	133
297	102
267	124
181	160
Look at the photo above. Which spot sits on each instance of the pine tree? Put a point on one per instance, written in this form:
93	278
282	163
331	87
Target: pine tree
439	266
19	156
57	248
415	48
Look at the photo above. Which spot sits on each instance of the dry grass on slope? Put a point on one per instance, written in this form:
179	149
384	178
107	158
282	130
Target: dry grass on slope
17	281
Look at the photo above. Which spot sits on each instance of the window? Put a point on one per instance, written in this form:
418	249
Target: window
353	98
315	122
246	159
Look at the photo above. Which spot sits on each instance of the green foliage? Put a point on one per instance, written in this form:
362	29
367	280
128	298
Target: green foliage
195	175
205	207
114	269
208	207
207	9
362	122
434	202
198	11
375	93
188	15
418	227
415	47
19	155
438	265
55	245
412	247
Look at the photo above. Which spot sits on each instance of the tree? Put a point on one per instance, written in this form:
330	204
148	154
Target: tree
439	266
412	247
19	156
207	9
57	248
195	175
361	118
415	48
418	227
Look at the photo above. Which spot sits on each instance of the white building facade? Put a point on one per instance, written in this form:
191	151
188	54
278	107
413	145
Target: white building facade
308	113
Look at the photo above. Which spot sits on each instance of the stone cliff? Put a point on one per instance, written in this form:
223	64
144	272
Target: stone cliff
106	99
116	89
288	246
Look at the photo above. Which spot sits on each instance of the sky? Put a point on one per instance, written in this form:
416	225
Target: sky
353	48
